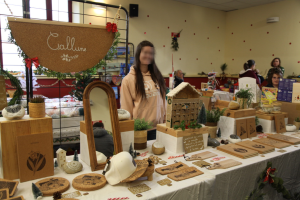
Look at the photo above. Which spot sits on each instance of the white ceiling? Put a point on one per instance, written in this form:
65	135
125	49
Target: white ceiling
228	5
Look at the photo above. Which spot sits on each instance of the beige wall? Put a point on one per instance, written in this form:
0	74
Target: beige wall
264	45
204	22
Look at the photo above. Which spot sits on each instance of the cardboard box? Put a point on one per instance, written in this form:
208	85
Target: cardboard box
282	95
293	110
269	93
289	96
281	84
296	93
290	84
286	84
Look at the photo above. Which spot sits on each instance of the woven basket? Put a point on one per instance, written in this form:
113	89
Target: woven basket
140	140
36	110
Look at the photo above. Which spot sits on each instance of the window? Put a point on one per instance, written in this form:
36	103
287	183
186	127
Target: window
60	10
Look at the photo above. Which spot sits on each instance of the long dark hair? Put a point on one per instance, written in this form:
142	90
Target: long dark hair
272	72
274	60
248	64
153	69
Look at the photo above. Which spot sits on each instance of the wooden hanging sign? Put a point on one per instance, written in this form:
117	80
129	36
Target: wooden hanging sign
62	46
193	143
241	128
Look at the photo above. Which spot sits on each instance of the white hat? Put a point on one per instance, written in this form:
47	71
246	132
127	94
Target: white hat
123	168
101	158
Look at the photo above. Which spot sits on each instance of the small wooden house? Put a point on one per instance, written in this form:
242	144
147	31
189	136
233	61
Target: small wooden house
61	157
183	103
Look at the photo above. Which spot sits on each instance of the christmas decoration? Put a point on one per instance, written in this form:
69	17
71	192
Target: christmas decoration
36	192
55	163
22	79
15	83
112	27
57	195
75	158
223	68
202	115
80	84
174	43
212	81
268	176
131	152
29	62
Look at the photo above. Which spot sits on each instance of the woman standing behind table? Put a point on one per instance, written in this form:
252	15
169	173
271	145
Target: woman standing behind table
274	76
249	71
276	64
143	89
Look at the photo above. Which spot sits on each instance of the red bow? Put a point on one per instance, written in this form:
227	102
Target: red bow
111	27
35	61
93	122
268	177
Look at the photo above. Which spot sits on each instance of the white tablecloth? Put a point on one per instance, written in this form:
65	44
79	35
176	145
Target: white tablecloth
225	184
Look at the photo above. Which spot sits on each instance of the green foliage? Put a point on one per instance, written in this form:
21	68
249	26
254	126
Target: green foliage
202	115
223	67
60	76
245	94
256	121
16	83
141	124
36	191
181	125
194	125
297	119
37	99
214	115
277	185
80	84
75	158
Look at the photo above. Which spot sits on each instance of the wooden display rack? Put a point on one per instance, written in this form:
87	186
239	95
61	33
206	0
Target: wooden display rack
267	121
173	139
9	130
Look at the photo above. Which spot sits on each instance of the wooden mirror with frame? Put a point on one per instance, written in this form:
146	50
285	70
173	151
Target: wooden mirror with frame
101	97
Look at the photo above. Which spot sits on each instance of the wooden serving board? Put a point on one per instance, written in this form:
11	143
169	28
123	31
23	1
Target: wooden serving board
262	115
185	174
240	113
285	138
171	168
273	143
201	156
237	151
261	148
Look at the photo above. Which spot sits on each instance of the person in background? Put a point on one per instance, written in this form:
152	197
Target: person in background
273	77
249	71
276	63
143	89
178	78
104	142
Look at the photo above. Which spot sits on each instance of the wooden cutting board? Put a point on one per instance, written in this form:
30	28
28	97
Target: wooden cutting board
261	148
273	143
201	156
285	138
171	168
237	151
185	174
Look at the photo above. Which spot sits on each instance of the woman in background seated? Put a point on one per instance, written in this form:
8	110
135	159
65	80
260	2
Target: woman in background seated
273	78
276	64
249	71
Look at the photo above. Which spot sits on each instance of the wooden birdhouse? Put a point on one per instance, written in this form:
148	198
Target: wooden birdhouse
183	105
61	157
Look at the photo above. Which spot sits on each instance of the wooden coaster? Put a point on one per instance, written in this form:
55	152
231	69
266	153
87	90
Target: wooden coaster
285	138
171	168
201	163
11	185
17	198
224	164
201	156
139	188
162	162
89	182
185	174
238	151
49	186
71	195
273	143
4	194
165	181
261	148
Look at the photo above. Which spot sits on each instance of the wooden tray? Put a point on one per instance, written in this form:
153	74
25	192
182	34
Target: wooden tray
263	115
285	138
201	156
273	143
238	151
171	168
261	148
185	174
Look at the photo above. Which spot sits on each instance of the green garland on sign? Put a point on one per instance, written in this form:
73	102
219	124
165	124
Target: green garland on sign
16	83
50	73
268	176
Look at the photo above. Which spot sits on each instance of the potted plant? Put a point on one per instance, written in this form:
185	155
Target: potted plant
297	123
37	107
244	98
212	118
140	133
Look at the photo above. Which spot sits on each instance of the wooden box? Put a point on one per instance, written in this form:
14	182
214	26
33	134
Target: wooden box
222	104
240	113
127	135
9	130
173	139
267	121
